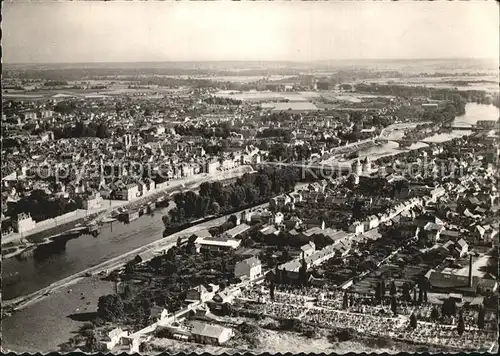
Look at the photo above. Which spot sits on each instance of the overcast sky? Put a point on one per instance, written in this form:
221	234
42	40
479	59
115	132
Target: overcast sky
198	31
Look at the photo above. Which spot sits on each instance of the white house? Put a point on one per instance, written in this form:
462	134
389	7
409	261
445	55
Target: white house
307	249
437	193
158	313
280	201
357	228
296	197
199	293
250	267
213	334
278	218
372	222
93	201
212	166
236	231
130	192
216	243
24	223
462	247
108	340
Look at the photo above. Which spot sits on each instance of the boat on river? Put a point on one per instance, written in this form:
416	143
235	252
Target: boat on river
8	252
94	229
151	207
129	216
108	219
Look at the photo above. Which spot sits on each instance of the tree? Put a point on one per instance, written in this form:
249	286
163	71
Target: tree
434	314
156	263
127	292
425	286
382	286
145	348
393	288
394	305
357	209
277	274
110	307
285	256
179	241
378	292
91	343
166	220
413	321
130	267
406	292
303	273
233	219
449	307
414	295
171	252
102	131
191	246
205	189
461	324
263	145
480	317
138	259
271	290
351	300
227	309
345	301
215	208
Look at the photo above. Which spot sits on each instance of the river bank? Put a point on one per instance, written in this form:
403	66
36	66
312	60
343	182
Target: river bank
144	231
108	205
473	113
22	276
43	321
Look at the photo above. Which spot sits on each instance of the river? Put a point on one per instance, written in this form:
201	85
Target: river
22	277
36	272
473	113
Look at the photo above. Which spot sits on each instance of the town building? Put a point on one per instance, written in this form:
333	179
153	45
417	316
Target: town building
210	334
236	231
251	268
216	244
357	228
23	223
307	249
198	294
108	338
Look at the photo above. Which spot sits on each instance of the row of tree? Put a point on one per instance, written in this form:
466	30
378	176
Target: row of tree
80	129
216	100
41	206
215	198
221	130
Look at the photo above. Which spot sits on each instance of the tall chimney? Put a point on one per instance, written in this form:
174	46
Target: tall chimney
470	272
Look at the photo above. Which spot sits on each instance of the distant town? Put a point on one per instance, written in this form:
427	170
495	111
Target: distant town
215	210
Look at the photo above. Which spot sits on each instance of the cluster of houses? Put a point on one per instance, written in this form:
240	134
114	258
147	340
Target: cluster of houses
202	300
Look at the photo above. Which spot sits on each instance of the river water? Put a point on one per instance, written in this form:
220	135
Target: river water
22	277
37	271
473	113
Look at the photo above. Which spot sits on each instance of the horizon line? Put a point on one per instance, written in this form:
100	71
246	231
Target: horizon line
257	60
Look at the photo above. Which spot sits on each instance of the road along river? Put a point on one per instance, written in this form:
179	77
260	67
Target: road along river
22	276
146	252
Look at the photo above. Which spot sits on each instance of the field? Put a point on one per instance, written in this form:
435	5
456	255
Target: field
310	96
486	83
268	96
